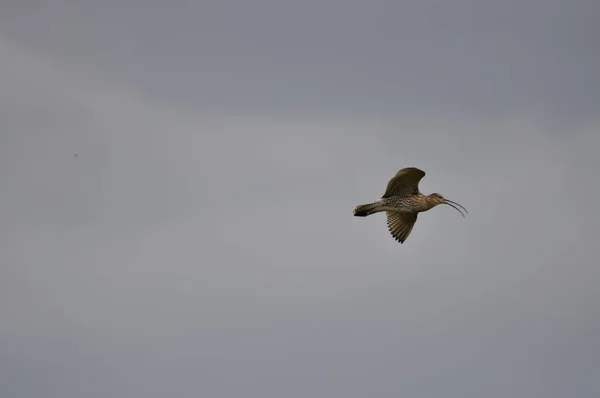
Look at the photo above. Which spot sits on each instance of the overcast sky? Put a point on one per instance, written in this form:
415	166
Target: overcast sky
178	180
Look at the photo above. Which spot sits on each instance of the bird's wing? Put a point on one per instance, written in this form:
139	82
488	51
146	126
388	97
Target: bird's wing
400	224
404	183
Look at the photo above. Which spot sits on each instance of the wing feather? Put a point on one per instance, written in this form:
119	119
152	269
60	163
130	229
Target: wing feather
404	183
400	224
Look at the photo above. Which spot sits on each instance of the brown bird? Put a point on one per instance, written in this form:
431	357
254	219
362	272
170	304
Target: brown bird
402	201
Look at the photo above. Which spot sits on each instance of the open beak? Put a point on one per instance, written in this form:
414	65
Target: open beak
454	204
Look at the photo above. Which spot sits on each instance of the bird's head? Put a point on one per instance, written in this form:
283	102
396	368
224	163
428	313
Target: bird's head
438	199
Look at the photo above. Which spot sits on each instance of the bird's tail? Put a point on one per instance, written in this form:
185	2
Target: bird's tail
365	210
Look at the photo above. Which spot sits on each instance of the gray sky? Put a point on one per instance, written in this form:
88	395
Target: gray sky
202	242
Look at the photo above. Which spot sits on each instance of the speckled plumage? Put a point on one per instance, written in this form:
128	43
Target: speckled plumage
402	201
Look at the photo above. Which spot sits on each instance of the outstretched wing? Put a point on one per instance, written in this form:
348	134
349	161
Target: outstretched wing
404	183
400	224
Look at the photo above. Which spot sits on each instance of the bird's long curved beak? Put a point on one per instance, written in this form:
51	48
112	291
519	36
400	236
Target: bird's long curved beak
454	204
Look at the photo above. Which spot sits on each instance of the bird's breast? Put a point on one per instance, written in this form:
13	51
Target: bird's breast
407	204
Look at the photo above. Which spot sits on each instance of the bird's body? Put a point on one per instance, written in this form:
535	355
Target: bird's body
399	204
402	201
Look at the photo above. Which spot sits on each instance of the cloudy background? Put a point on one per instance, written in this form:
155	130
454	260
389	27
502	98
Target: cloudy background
178	180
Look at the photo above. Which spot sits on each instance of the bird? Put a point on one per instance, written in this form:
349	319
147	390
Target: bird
402	202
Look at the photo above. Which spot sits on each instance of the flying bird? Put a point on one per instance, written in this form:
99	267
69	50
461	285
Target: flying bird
402	202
